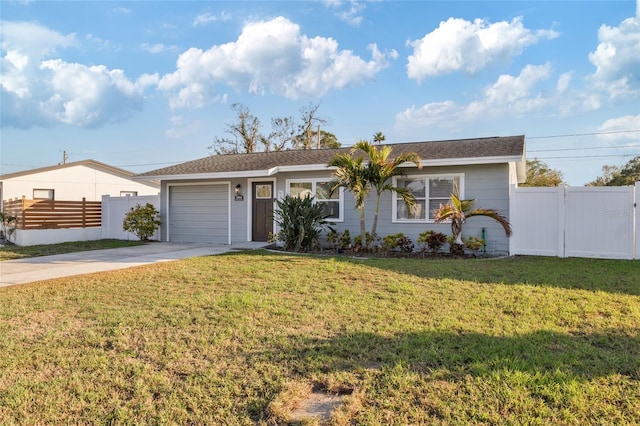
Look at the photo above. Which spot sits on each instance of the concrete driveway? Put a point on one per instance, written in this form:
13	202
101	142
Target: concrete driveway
23	271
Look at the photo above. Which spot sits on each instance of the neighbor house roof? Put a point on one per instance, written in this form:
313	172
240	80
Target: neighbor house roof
87	163
437	153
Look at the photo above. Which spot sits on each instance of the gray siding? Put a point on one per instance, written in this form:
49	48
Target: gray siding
488	184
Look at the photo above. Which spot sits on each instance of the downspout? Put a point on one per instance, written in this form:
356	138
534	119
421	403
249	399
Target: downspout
484	241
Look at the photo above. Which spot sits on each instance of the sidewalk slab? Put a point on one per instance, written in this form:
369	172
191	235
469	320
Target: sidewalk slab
21	271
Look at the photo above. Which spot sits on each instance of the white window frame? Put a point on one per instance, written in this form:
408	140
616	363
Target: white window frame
314	182
38	194
426	178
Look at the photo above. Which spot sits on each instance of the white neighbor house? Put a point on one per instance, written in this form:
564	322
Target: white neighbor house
87	179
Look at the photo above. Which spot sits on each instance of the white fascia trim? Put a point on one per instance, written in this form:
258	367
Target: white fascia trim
300	168
218	175
470	160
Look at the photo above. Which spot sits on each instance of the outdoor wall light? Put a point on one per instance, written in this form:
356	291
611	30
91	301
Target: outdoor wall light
238	188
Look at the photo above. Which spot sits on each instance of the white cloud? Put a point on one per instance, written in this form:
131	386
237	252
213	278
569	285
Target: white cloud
157	48
564	81
350	11
617	59
39	91
269	56
33	39
509	95
621	125
208	18
122	10
460	45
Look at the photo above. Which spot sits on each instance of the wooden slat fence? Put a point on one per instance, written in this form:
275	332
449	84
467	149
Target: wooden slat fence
54	214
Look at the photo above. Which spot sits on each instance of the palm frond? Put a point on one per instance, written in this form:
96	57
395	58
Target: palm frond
495	215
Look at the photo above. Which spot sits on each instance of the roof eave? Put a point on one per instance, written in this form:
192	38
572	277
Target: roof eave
470	160
318	167
201	176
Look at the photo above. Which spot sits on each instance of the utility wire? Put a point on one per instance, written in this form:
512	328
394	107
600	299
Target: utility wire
584	149
583	134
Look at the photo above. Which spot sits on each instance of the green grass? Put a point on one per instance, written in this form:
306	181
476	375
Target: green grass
10	252
237	339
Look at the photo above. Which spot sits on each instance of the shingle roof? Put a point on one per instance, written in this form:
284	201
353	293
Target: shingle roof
508	147
88	163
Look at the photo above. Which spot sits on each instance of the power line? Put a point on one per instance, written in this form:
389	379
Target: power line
577	157
584	149
583	134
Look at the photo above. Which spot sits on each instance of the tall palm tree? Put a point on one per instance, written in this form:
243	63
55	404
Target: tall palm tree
380	171
457	211
351	174
360	177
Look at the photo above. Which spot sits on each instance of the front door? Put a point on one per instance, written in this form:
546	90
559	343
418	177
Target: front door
262	210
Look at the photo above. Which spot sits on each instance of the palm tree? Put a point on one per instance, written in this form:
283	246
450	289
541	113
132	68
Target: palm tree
350	173
381	170
360	177
457	211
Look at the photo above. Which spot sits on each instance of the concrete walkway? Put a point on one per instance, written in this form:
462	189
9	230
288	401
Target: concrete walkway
23	271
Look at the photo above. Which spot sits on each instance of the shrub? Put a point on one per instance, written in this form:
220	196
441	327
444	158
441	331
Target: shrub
397	241
405	244
345	240
371	242
390	242
338	240
473	243
7	226
143	221
455	249
300	221
432	240
333	238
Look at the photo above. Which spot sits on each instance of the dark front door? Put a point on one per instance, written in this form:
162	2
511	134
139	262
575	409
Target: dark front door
262	210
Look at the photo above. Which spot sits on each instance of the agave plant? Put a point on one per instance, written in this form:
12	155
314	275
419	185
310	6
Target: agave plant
457	211
300	221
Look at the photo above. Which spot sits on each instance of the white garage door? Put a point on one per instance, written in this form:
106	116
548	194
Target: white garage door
199	214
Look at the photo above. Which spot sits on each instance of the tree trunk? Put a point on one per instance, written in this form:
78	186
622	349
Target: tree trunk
374	227
363	229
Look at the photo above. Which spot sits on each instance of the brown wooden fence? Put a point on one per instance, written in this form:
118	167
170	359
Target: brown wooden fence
49	214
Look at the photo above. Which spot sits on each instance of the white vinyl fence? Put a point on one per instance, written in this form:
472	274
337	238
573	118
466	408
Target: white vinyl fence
114	210
595	222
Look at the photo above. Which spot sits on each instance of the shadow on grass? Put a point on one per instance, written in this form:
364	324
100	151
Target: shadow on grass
557	357
611	276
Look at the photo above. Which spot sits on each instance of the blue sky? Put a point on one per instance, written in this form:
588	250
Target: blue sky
142	85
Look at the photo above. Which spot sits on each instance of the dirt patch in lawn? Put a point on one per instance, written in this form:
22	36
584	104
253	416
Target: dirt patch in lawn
318	405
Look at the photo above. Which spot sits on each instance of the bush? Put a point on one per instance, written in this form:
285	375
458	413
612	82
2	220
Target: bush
455	249
345	240
405	244
397	241
339	241
143	221
371	242
300	221
432	240
7	226
390	242
473	243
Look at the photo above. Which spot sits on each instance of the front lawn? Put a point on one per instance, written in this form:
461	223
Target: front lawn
13	251
241	338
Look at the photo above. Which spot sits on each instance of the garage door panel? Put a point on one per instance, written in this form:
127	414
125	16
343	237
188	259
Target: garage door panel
199	213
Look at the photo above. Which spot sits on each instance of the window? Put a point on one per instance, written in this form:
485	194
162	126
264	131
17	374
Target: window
320	188
429	191
263	192
43	194
128	193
